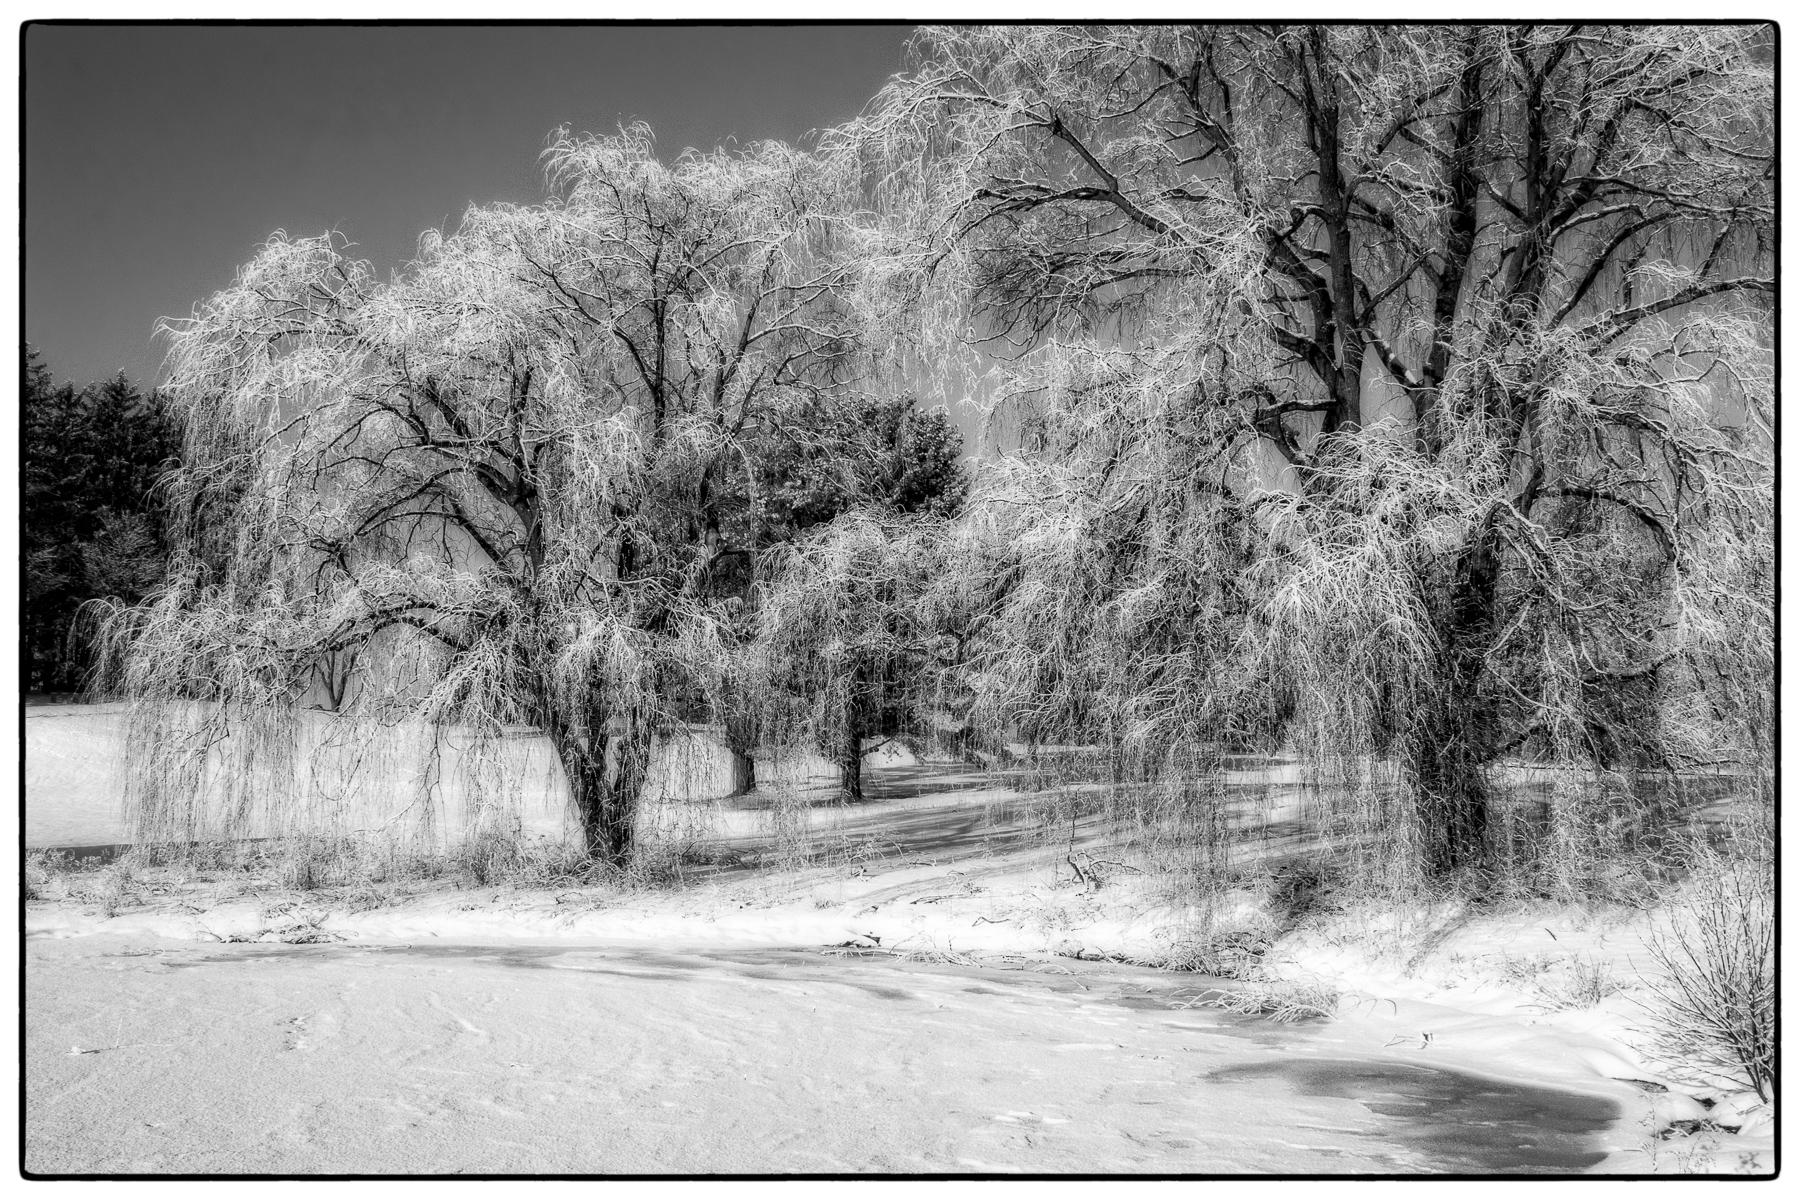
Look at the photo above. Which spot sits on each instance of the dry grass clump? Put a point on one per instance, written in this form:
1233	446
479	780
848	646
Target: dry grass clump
290	922
947	955
108	886
42	877
1587	984
311	862
114	889
1226	954
374	868
664	865
368	895
487	856
1564	982
1286	1003
543	862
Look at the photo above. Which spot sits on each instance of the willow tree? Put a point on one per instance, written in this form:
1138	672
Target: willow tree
513	484
866	486
1399	393
842	642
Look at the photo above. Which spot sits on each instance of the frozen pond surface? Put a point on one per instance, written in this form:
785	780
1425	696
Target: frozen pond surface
73	790
71	796
539	1058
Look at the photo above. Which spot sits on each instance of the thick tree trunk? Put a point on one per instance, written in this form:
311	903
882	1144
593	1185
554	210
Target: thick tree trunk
743	773
605	800
849	755
586	774
741	742
1452	743
618	809
1452	794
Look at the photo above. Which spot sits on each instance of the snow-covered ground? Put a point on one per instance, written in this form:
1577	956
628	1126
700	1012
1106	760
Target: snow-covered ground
151	1055
919	997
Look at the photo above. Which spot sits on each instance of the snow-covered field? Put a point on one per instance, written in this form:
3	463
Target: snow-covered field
152	1055
910	1001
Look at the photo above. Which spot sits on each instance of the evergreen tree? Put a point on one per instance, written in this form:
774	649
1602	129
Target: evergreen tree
91	528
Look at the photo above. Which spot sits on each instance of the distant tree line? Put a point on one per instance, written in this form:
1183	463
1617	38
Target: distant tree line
91	524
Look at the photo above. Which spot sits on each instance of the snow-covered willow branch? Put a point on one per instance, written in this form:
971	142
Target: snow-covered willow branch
516	484
1395	394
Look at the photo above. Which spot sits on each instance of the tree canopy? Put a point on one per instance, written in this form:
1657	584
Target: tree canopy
1387	390
1400	395
524	479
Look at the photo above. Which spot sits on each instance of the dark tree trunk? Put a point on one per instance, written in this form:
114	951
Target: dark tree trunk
586	773
741	742
605	800
743	773
849	755
619	803
1452	792
1453	742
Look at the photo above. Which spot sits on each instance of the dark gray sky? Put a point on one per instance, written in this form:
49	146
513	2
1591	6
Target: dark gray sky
156	158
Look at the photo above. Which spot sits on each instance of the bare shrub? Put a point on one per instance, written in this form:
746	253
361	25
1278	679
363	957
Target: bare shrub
488	855
288	922
1589	984
1715	999
307	863
113	889
43	874
664	864
364	895
551	862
